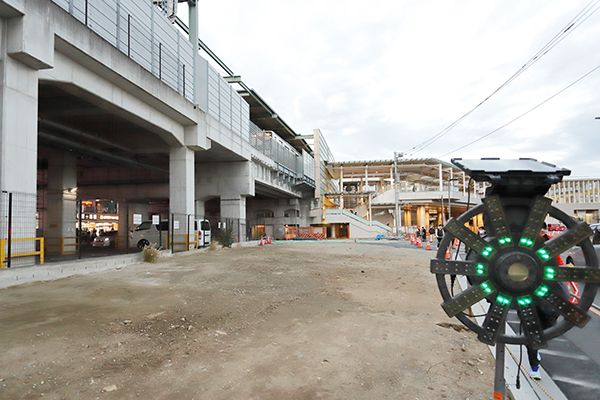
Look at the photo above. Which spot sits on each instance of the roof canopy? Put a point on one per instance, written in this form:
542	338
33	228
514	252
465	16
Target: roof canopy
425	171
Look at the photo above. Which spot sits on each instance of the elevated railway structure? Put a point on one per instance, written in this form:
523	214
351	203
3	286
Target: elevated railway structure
107	99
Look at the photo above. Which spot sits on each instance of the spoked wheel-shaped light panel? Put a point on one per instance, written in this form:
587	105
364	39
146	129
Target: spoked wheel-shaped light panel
516	270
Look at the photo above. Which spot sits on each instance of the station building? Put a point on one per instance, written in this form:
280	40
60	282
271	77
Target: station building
579	198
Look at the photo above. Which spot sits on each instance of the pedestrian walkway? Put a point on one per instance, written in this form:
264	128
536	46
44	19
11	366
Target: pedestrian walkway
515	359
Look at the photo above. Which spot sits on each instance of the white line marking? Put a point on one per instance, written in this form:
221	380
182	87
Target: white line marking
576	382
564	355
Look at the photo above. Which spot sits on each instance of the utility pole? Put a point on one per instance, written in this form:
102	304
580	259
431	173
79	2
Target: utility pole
397	214
449	201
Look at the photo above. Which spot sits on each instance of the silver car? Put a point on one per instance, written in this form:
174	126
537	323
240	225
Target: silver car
107	239
575	256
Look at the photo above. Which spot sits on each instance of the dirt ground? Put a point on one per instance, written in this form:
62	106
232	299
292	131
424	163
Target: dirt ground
300	320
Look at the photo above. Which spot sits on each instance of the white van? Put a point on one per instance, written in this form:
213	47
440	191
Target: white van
146	234
202	227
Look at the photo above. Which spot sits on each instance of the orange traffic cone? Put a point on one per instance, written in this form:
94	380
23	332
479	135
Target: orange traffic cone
428	245
412	239
261	241
269	240
419	243
448	255
455	244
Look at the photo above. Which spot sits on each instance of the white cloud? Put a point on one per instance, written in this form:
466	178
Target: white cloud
381	76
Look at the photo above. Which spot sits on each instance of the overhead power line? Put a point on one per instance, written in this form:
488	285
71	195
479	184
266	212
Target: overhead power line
522	115
583	15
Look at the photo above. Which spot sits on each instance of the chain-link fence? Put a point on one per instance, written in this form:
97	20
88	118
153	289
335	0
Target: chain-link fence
226	230
18	243
177	232
188	231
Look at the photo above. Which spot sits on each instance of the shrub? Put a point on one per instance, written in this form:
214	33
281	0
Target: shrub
227	234
214	245
150	254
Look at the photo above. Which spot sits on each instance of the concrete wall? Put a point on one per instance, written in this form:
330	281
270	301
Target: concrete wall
357	230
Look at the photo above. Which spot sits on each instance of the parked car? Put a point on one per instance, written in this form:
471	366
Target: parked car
575	256
146	234
202	227
106	239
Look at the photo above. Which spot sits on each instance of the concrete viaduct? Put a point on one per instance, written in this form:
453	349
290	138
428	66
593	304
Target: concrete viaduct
108	99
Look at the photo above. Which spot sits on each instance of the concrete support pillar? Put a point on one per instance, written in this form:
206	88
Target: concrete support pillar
232	182
407	218
18	128
26	46
181	180
233	210
125	225
421	221
61	213
181	191
426	225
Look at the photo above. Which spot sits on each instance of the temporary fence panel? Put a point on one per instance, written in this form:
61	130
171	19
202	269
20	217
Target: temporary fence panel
19	245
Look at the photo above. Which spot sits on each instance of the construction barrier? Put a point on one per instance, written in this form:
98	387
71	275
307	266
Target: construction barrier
190	241
313	232
60	245
4	255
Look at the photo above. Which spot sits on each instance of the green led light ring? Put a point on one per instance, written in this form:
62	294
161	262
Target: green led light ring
587	295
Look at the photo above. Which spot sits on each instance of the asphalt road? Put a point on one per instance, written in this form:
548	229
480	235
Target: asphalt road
573	360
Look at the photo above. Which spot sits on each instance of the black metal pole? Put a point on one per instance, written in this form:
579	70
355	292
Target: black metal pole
80	233
126	230
172	231
160	61
9	253
499	381
86	12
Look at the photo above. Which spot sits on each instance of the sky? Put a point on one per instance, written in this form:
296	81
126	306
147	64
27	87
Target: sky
382	76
